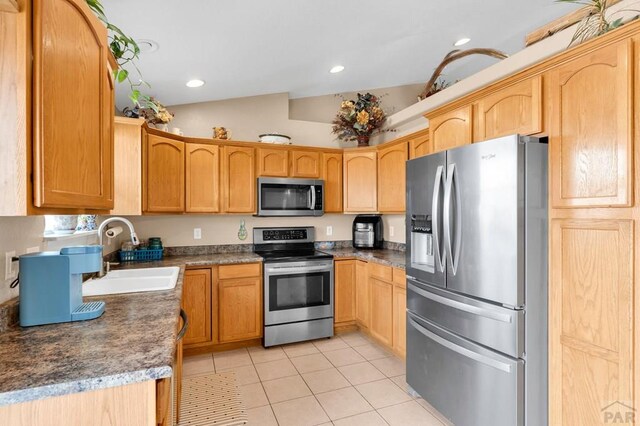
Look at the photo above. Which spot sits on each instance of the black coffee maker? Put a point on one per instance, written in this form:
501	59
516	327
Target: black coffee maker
367	231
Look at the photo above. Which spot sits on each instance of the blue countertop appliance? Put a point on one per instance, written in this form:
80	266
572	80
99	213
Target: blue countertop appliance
51	285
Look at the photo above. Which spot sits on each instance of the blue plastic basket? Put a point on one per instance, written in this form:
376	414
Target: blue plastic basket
140	255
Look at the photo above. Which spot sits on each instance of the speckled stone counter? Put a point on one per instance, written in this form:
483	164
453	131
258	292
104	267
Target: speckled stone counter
387	257
196	260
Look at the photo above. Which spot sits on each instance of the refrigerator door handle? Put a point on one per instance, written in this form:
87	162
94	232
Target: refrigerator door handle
441	258
453	248
459	349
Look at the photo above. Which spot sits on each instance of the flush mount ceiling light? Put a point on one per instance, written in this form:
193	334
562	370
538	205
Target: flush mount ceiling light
195	83
461	42
336	69
147	46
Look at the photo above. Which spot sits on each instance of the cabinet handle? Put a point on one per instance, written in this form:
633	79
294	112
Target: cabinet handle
185	325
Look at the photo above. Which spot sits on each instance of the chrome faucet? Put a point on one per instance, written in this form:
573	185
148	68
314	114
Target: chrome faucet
101	228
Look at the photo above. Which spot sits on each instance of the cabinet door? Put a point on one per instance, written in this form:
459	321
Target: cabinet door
392	178
305	164
514	109
360	182
202	178
273	162
591	319
127	141
72	107
345	290
420	146
196	302
451	129
164	174
240	309
591	129
332	176
399	320
238	179
362	294
381	311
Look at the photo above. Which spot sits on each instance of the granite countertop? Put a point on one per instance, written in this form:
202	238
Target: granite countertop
387	257
190	260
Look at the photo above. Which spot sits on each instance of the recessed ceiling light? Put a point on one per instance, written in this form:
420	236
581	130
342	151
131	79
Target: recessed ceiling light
147	46
461	42
336	69
195	83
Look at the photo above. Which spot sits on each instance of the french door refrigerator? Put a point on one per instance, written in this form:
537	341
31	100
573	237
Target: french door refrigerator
477	281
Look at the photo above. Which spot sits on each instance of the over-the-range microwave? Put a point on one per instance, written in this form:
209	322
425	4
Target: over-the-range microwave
290	197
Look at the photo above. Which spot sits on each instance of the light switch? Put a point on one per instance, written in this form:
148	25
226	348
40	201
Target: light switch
197	233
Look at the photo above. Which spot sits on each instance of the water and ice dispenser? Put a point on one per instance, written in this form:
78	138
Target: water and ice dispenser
422	255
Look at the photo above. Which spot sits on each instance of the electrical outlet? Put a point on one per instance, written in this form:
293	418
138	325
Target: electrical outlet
392	231
197	233
33	249
329	230
10	271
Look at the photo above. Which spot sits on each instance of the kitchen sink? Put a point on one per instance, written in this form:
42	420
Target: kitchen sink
132	281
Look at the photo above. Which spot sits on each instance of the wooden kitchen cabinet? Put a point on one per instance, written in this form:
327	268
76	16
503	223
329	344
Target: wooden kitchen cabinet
420	144
305	164
513	109
202	178
381	311
332	176
360	181
591	129
451	129
72	106
240	302
238	179
127	142
273	162
163	175
362	294
197	303
399	312
392	178
345	292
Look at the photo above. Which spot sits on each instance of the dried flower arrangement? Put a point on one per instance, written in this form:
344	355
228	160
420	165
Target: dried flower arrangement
357	120
156	113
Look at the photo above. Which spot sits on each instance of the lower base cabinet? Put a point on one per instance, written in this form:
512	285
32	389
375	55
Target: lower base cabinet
362	295
381	324
345	293
240	312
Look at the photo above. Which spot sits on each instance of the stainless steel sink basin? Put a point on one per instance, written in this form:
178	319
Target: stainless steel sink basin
132	281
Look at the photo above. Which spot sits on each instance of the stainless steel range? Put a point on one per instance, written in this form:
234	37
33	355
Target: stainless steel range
298	285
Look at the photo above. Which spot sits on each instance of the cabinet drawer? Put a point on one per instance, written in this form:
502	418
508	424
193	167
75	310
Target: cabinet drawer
239	271
380	271
399	277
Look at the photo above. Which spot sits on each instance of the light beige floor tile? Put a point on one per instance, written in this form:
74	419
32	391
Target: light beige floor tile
325	380
383	393
253	395
300	412
275	369
372	351
309	363
285	388
354	339
390	367
331	344
300	349
198	365
401	382
365	419
230	359
343	357
265	355
261	416
433	411
245	374
363	372
408	414
343	403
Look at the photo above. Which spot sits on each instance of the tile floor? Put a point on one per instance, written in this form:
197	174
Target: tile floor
347	380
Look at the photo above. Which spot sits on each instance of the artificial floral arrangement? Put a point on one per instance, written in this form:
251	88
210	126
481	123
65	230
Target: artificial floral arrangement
156	113
596	22
357	120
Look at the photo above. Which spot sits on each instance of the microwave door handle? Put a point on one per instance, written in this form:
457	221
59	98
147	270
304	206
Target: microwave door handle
435	205
313	198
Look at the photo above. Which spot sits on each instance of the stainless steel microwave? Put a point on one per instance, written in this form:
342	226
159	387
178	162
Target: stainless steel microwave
290	197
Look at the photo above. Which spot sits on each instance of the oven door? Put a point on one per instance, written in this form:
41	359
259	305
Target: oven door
290	197
297	291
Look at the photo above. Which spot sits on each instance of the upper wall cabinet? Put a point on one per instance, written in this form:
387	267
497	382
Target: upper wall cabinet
332	176
392	178
591	128
305	164
238	178
202	178
514	109
127	162
420	144
360	181
273	162
451	129
163	175
72	107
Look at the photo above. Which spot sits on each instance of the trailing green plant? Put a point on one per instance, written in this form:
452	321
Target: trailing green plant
595	23
126	52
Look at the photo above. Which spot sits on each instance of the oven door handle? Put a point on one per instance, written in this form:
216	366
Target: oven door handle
288	269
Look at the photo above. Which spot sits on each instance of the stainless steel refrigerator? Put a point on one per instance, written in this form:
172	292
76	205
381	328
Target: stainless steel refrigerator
477	281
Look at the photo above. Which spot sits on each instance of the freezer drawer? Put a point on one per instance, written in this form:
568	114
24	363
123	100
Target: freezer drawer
491	325
467	383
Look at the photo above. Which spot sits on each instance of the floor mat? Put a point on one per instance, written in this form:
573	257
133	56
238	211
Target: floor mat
211	399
